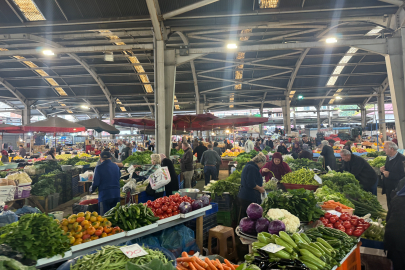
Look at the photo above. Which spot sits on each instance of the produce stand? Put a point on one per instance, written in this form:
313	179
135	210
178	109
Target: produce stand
127	236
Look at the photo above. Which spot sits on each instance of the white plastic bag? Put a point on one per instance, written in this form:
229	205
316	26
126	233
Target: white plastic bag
160	178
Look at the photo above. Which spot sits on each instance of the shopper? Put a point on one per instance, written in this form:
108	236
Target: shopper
51	154
251	185
282	148
305	152
22	151
393	170
348	146
394	237
186	165
115	152
295	150
4	156
210	159
107	179
9	150
147	171
276	167
58	149
270	143
358	139
249	145
361	169
173	186
151	147
219	151
126	152
199	150
257	146
328	154
195	143
113	159
305	140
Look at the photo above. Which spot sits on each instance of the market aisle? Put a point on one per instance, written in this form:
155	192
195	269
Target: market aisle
382	198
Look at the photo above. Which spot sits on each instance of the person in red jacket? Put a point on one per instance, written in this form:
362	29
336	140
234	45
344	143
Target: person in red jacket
276	167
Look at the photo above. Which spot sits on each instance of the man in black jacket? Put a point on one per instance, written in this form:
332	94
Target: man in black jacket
186	165
361	169
200	149
393	170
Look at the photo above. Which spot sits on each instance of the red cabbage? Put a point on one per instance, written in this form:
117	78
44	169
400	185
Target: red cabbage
205	200
262	224
185	208
254	211
247	225
197	204
276	226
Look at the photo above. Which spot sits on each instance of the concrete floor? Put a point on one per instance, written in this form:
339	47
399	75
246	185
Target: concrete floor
382	198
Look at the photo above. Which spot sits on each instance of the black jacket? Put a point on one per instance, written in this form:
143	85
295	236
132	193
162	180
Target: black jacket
394	237
186	162
270	144
329	157
200	149
396	169
362	170
282	149
306	154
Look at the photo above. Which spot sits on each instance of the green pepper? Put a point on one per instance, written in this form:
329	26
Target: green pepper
258	245
263	239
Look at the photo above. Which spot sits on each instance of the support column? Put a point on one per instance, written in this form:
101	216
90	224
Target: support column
261	125
26	113
170	82
318	117
294	119
330	114
111	108
381	115
363	114
287	124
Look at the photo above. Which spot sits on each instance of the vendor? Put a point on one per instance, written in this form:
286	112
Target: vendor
295	150
328	156
22	151
251	185
126	152
276	167
361	169
393	170
51	154
97	151
4	156
305	152
210	159
358	139
394	237
305	140
173	186
348	146
282	148
107	179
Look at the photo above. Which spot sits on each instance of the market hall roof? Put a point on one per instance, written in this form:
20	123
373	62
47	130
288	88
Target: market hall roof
63	83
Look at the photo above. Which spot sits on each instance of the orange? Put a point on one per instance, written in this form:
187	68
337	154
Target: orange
93	219
81	214
94	214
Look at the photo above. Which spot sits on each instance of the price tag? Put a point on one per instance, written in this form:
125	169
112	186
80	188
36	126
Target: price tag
333	212
133	251
318	179
272	248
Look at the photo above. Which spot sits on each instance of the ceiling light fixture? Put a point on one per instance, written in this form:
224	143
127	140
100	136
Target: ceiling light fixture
231	46
48	52
85	107
331	40
338	97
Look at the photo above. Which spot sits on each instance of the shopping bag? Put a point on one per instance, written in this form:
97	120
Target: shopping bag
160	178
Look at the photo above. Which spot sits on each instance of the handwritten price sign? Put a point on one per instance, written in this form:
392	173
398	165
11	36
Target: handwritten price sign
272	248
133	251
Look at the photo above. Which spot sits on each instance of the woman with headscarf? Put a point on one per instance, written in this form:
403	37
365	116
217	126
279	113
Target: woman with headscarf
276	167
394	237
328	156
257	146
174	182
295	150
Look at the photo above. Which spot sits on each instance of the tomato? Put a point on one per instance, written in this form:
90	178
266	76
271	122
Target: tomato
164	215
333	219
342	228
177	212
366	225
169	210
349	231
337	224
361	220
85	236
357	233
175	207
157	205
354	222
329	225
159	211
344	217
325	222
339	209
164	208
328	215
347	224
169	214
176	199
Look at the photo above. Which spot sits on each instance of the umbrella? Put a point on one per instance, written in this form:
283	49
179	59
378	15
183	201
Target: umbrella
152	132
191	121
98	126
136	122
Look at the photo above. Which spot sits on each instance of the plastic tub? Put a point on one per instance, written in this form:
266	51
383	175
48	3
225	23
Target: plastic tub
294	186
11	166
58	215
190	192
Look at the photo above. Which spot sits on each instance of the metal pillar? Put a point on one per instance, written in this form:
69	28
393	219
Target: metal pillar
287	124
294	119
170	82
381	115
26	115
111	107
261	125
330	114
363	116
318	118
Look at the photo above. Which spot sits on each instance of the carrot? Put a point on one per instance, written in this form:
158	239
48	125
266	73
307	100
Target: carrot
228	263
219	265
191	266
226	267
178	268
200	262
184	254
188	259
181	267
185	264
197	266
210	264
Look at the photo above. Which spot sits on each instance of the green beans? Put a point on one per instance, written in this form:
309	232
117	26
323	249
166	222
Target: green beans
112	258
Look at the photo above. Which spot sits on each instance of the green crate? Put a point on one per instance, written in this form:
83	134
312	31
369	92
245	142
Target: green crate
226	217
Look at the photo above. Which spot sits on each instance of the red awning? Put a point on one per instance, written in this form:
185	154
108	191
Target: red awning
10	128
137	122
237	121
191	121
54	125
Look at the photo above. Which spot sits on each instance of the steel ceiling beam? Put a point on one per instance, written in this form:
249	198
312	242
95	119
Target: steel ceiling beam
100	35
188	8
154	12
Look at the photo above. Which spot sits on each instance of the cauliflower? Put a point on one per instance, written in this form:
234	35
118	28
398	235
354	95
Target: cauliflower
291	222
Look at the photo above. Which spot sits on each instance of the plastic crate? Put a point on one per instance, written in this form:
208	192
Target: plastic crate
224	202
224	218
353	261
213	210
372	244
209	221
76	189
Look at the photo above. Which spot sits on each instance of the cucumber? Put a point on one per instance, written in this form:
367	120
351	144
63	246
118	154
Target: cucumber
286	246
310	260
324	243
287	239
314	251
334	243
318	248
307	253
327	251
298	239
305	237
283	255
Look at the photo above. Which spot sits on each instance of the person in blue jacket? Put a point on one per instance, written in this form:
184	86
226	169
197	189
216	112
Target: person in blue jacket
251	185
107	179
